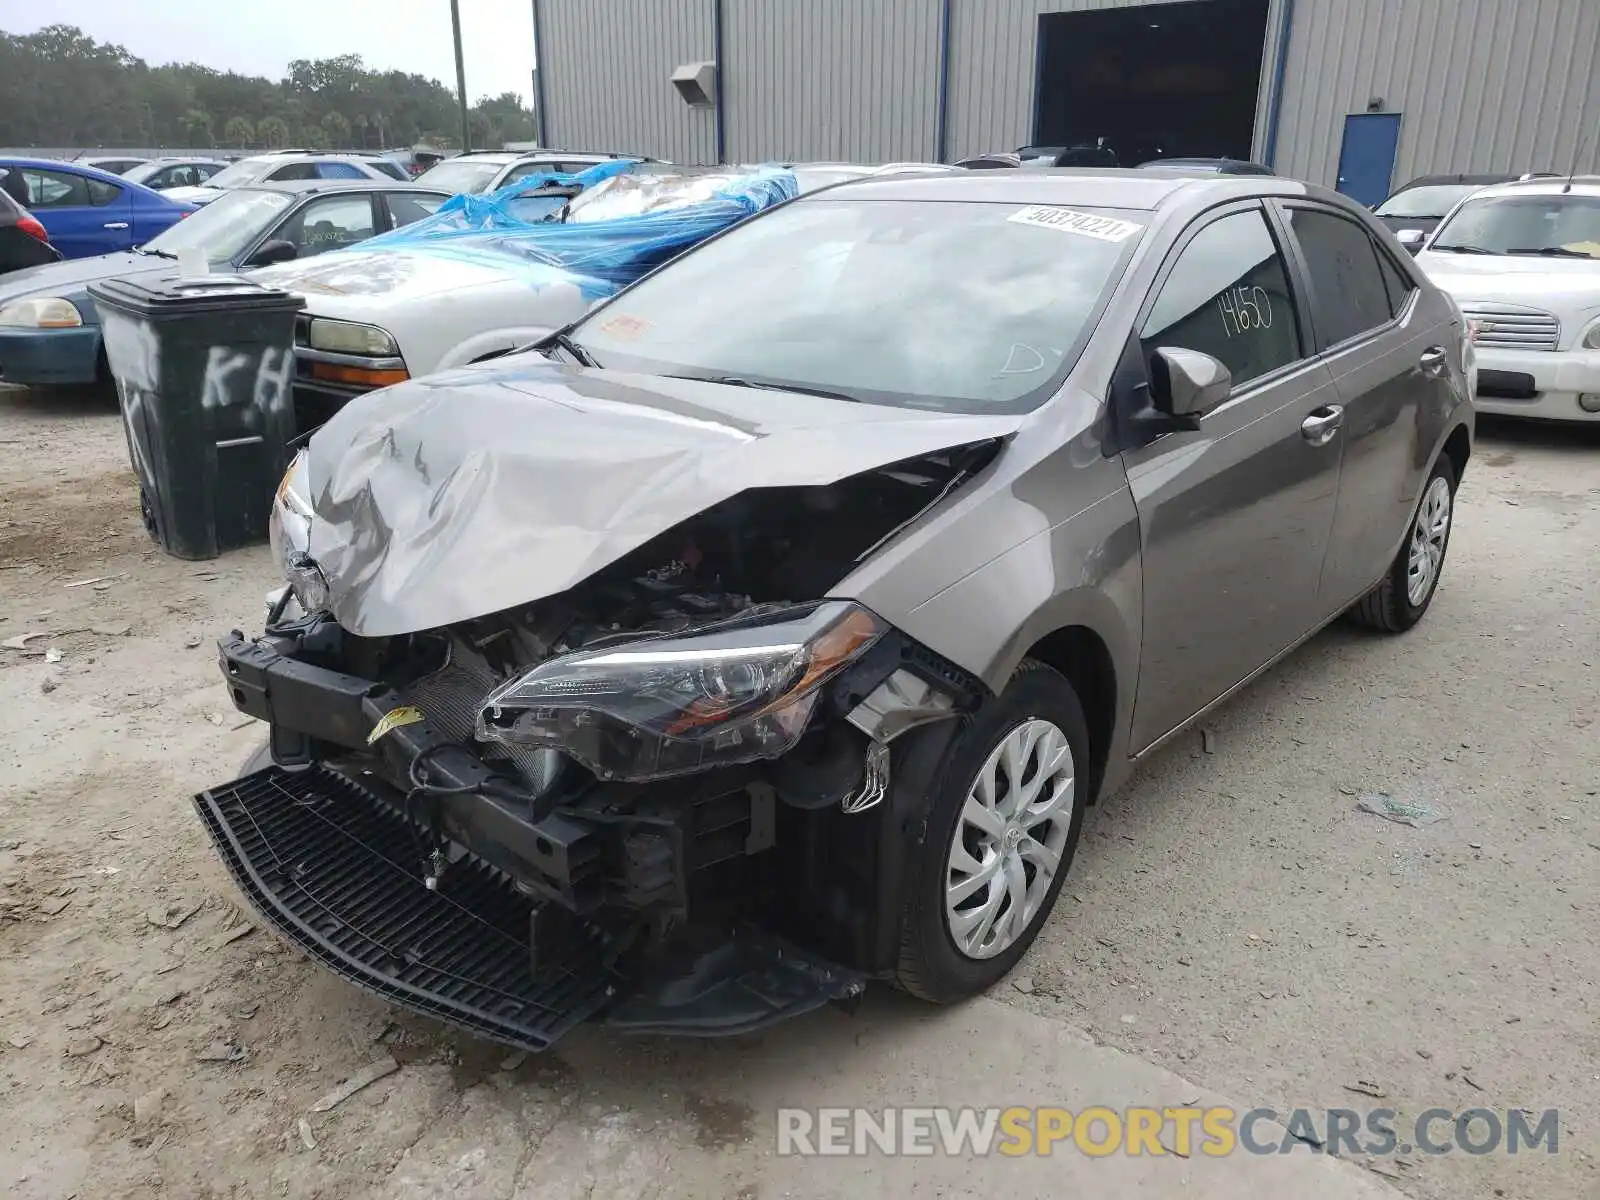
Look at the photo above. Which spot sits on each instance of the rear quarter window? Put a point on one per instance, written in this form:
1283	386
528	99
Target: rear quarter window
1346	276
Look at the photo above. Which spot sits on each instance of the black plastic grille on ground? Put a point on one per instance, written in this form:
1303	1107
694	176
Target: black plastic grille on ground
336	871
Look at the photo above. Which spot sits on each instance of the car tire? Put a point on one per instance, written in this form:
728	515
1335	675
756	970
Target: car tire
944	954
1400	600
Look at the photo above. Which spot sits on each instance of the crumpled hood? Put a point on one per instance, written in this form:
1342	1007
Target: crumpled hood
465	493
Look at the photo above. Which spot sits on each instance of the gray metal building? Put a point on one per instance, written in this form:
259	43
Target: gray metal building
1347	93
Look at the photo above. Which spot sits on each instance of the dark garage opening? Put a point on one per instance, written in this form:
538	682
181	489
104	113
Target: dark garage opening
1152	81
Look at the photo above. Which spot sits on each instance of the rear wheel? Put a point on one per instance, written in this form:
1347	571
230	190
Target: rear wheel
1001	835
1405	593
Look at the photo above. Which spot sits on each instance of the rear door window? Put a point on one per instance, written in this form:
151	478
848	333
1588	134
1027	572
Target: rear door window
1345	275
330	223
55	189
1228	296
340	170
406	207
101	192
299	170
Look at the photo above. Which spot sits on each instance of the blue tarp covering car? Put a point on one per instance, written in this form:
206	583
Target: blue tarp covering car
619	225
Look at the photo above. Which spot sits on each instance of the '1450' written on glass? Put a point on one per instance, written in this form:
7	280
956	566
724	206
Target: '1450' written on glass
1245	310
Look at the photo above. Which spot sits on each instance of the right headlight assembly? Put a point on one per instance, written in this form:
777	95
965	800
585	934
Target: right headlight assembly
655	707
289	533
1591	338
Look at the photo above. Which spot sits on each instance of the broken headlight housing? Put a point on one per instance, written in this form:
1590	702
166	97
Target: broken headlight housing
655	707
289	532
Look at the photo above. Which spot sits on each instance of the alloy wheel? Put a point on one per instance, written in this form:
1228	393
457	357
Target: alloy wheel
1009	838
1428	538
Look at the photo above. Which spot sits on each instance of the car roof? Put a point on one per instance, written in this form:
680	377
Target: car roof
1088	187
1438	180
56	163
318	155
1580	185
299	186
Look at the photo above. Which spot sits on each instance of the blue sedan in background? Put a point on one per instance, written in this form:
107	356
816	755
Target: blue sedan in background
88	211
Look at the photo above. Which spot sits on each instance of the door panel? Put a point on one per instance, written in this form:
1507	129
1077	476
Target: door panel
1384	391
1378	330
1234	516
1366	161
1235	520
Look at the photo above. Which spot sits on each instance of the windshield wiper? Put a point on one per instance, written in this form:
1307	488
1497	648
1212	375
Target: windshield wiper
1550	251
802	389
563	339
157	253
1459	248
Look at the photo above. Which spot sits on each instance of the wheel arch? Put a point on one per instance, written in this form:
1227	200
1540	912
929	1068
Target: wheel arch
1082	656
1458	449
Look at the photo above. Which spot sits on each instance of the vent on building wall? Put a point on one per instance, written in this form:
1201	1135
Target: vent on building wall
696	83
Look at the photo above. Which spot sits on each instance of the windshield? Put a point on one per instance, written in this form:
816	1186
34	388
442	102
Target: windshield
1430	201
456	177
966	307
224	227
1554	225
246	170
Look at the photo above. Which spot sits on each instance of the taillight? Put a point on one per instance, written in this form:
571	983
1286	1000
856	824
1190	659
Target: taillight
31	227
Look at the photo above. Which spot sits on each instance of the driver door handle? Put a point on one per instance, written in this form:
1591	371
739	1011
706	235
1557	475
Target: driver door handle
1434	361
115	225
1322	424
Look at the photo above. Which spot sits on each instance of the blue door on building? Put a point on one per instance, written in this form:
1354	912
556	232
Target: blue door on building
1366	164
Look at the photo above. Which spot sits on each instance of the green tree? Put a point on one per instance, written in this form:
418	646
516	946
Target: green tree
60	87
337	127
272	132
311	137
239	131
197	127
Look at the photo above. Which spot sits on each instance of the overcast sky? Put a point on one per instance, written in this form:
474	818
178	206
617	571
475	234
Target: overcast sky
260	37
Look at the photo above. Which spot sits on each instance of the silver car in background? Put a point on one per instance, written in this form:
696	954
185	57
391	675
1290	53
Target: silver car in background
818	581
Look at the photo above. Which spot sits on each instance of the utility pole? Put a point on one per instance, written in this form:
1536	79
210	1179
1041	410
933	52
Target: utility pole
461	74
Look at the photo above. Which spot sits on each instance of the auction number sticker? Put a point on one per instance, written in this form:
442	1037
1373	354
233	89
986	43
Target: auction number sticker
1048	216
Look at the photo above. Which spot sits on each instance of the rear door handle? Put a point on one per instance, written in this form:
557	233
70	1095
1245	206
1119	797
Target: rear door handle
1434	361
1322	424
115	225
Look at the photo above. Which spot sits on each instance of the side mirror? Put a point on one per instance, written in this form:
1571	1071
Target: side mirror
1187	383
1411	239
276	251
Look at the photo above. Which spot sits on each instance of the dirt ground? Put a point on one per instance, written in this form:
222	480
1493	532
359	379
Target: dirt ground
1231	917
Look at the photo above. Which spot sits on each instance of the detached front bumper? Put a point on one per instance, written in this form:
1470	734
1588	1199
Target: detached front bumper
518	937
1543	384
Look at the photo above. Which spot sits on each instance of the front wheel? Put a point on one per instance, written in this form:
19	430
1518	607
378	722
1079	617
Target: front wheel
1000	837
1400	600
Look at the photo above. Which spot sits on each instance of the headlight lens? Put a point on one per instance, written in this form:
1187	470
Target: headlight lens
42	312
729	693
347	337
1591	340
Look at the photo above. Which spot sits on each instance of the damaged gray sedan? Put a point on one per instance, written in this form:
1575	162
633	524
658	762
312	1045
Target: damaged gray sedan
768	631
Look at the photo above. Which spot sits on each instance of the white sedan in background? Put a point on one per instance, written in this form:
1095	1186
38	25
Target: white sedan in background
1523	262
